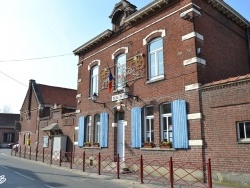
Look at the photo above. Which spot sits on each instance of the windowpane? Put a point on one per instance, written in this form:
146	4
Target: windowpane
149	111
88	129
97	128
155	44
241	129
149	124
166	108
120	71
160	61
152	72
247	129
94	80
166	122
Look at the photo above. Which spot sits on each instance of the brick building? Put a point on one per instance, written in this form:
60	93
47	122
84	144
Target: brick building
47	112
159	60
9	128
226	122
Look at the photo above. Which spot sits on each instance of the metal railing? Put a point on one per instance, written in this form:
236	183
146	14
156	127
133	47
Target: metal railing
146	170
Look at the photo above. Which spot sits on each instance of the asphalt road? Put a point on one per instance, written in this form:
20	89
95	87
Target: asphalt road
22	173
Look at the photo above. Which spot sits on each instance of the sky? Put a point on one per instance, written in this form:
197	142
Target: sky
37	38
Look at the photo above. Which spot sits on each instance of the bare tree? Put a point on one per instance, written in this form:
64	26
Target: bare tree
5	109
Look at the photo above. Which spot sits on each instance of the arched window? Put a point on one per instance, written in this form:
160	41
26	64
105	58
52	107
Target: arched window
120	71
94	80
155	59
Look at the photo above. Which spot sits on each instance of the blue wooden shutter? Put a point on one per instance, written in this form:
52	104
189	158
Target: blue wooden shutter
136	127
179	120
104	130
81	131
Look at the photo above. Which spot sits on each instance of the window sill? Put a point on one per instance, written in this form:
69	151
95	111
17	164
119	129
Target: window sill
158	149
244	142
156	79
91	147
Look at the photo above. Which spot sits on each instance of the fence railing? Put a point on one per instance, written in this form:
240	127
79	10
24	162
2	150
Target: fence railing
139	168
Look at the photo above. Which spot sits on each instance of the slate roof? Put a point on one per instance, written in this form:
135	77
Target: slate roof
8	120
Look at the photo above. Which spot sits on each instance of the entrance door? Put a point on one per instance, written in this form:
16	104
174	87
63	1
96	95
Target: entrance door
121	139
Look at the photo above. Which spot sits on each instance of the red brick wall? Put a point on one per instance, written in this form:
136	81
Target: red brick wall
223	107
224	46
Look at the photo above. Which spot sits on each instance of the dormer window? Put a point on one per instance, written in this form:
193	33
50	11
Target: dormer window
120	12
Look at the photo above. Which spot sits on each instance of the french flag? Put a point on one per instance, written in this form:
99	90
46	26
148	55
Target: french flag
110	81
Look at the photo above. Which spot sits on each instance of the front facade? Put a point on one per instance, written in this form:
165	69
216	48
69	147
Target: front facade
47	114
140	83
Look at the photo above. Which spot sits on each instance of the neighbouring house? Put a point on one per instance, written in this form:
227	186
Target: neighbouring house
153	79
9	128
47	117
226	125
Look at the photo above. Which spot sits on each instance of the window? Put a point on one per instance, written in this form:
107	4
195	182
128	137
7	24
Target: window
149	124
94	80
155	59
88	129
9	137
120	70
243	131
166	122
97	128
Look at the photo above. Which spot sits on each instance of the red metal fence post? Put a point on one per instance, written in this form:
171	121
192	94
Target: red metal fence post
83	161
171	172
118	166
43	155
209	173
51	152
36	152
19	151
24	152
99	163
30	153
141	169
60	158
71	159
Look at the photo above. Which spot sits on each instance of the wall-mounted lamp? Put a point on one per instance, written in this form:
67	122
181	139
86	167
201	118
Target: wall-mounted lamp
126	90
94	98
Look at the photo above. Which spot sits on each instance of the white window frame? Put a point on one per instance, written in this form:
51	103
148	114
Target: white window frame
166	117
88	129
97	128
94	80
150	131
120	71
238	131
156	62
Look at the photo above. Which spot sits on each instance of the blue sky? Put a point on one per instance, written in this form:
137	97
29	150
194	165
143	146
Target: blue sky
43	28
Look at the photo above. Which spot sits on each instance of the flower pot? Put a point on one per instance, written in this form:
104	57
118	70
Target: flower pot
165	146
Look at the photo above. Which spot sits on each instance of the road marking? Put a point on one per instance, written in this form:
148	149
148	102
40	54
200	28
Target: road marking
3	167
48	186
23	175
